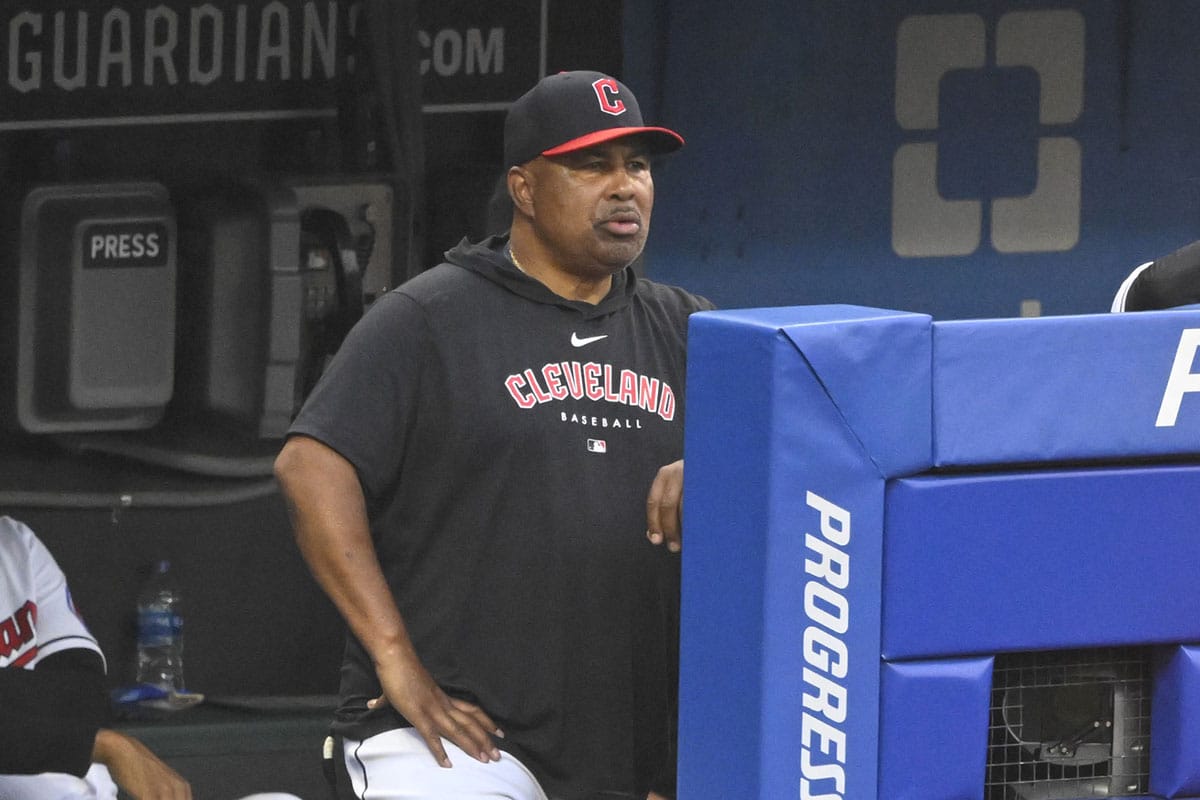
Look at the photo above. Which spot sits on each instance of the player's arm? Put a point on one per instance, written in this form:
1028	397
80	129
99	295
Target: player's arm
52	713
664	507
329	519
1167	282
140	773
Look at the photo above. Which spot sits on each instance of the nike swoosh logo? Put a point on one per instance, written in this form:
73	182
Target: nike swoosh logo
577	342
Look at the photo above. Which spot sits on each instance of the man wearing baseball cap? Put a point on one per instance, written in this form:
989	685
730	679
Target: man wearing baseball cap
487	482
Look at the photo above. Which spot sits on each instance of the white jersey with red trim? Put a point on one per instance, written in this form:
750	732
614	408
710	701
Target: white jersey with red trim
37	616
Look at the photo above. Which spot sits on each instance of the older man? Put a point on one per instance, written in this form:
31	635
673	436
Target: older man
487	482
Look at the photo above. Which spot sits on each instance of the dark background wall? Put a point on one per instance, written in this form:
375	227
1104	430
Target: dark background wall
785	193
254	623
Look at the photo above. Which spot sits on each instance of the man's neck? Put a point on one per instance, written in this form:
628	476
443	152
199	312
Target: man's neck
567	285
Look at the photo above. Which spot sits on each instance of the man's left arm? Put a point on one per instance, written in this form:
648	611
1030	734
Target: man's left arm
664	507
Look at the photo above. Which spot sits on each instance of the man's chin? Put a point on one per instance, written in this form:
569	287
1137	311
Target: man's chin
621	256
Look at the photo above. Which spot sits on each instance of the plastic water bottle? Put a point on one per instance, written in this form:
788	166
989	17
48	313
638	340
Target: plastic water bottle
160	631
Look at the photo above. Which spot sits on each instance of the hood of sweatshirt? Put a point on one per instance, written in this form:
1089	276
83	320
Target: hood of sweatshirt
489	259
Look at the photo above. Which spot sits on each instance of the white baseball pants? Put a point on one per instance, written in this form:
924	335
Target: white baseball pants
397	765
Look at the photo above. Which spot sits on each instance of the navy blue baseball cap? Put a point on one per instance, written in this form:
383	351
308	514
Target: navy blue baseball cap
573	110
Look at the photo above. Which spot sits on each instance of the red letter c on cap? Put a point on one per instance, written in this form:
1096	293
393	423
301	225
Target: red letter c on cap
607	92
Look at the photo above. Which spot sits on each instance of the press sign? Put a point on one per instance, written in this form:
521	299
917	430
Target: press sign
125	244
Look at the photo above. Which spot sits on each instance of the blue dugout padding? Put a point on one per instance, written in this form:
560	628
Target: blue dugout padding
1051	389
1176	723
1041	560
876	504
952	696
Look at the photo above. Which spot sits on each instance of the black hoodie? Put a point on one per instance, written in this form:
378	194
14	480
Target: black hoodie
506	439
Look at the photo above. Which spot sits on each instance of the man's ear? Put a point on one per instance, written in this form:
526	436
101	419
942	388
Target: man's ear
520	189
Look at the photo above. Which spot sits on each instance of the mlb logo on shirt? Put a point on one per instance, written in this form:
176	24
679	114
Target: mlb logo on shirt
597	446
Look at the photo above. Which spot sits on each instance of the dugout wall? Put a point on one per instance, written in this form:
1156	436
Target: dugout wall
964	159
939	545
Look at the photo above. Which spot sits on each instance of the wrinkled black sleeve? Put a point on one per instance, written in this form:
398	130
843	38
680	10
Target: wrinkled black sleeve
51	714
1173	280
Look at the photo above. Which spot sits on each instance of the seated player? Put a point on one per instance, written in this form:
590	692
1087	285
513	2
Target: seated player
52	689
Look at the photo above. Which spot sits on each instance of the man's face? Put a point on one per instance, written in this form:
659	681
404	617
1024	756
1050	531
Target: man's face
591	208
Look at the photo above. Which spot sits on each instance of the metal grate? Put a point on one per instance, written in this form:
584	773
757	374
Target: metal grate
1069	724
